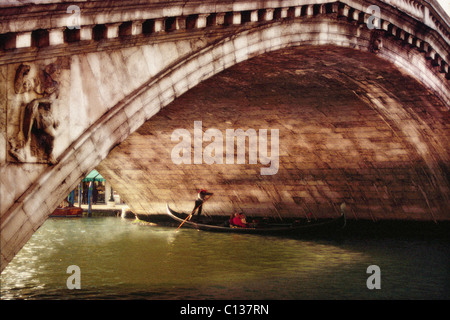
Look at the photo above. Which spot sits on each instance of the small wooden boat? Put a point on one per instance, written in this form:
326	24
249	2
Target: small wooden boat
67	212
260	228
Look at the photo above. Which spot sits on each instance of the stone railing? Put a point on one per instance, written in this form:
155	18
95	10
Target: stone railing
53	23
425	11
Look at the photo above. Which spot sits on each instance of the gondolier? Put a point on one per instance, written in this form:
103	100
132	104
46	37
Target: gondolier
201	197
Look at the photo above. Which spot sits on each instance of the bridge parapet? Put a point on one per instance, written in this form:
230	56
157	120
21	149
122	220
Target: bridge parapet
425	26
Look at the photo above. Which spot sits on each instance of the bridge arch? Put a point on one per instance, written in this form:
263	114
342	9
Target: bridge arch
32	208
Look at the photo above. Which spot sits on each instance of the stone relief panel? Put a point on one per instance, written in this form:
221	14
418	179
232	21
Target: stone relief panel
3	83
34	113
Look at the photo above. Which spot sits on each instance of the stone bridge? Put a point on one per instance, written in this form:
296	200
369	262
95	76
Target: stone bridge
356	93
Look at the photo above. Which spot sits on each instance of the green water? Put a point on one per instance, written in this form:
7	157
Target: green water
119	259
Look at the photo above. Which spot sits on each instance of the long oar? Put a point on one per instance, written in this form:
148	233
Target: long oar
192	213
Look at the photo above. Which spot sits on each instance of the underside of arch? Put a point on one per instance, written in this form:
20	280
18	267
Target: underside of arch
352	128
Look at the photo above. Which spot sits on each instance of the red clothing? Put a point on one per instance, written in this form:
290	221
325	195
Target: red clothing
238	222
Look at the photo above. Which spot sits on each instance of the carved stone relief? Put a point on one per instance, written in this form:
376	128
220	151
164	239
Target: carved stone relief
32	124
376	41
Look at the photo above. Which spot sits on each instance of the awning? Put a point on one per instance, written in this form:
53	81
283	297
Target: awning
94	175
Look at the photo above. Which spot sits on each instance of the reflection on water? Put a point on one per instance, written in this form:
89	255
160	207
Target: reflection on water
122	260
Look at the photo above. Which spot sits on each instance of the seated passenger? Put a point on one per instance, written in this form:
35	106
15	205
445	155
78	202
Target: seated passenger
230	221
239	220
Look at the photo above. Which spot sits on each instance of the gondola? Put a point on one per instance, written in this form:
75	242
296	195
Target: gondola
261	228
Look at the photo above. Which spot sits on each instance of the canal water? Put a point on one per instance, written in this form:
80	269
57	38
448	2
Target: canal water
119	259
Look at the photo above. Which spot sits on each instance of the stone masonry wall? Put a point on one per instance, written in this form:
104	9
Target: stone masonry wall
336	143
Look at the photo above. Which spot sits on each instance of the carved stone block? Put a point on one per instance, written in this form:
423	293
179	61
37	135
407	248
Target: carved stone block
33	91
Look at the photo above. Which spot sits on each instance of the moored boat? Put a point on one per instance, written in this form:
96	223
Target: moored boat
67	212
260	228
